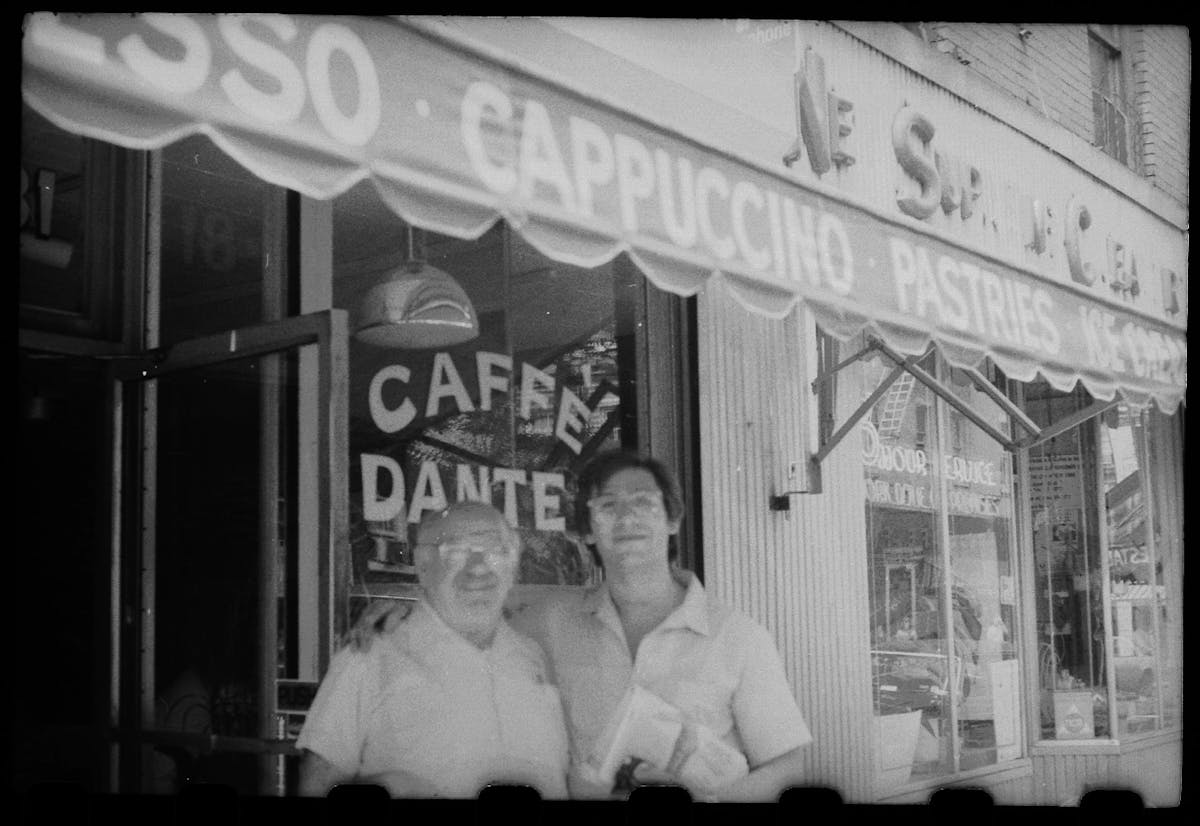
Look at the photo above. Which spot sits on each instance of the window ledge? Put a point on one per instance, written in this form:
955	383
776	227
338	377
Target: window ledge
982	777
1045	747
1150	739
1134	742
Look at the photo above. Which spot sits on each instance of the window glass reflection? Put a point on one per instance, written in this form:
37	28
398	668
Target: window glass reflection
213	219
914	660
943	580
1136	592
1068	591
1163	445
506	417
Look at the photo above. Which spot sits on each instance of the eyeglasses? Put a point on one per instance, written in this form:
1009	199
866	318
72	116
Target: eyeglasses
456	554
641	503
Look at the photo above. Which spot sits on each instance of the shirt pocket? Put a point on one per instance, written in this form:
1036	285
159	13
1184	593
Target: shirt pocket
408	729
705	702
541	736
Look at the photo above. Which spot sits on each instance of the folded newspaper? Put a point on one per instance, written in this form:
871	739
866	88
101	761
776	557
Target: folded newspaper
646	727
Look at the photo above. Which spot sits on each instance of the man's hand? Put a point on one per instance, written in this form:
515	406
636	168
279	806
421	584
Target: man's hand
379	617
582	785
403	784
647	774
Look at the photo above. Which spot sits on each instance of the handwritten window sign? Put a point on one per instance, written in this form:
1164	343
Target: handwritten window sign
507	418
899	475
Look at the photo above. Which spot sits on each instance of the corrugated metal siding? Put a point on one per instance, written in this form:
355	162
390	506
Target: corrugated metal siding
1156	772
1013	791
1007	787
1062	778
802	572
1153	769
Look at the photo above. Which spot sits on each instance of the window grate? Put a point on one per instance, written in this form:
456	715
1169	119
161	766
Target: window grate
1110	114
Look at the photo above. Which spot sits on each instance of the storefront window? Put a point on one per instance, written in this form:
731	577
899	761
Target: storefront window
72	199
1069	571
507	416
214	231
1106	502
1166	496
943	580
1136	591
978	478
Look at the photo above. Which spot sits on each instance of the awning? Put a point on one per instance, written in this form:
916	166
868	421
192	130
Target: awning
455	140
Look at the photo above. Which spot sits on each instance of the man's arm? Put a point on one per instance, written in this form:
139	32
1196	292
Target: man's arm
379	617
318	775
765	783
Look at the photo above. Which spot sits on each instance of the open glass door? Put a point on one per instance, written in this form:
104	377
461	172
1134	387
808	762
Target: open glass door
231	461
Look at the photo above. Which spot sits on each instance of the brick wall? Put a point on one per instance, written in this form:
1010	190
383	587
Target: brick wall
1162	79
1049	70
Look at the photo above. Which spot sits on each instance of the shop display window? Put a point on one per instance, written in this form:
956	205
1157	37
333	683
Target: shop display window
1163	448
218	435
215	229
1141	638
505	413
72	197
1107	536
1068	560
943	583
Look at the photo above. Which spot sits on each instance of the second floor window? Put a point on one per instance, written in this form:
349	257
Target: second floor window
1110	112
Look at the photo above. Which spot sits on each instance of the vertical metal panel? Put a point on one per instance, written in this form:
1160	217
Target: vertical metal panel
116	402
148	542
801	573
1015	791
1091	430
1063	777
1153	532
316	293
270	492
1154	769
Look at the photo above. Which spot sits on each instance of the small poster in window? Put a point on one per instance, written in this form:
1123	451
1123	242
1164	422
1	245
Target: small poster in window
1073	715
1008	593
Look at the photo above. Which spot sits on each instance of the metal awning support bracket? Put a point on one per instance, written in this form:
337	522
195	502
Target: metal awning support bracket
1010	407
951	399
1067	422
780	501
871	347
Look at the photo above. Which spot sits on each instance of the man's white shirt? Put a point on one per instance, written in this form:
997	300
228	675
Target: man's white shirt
424	700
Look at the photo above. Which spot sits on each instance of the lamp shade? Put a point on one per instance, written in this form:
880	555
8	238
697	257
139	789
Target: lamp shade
416	306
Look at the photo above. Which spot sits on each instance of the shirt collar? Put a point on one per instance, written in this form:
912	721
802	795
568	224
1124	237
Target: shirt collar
692	612
425	621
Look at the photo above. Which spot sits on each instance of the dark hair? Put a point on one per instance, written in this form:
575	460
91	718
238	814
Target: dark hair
603	466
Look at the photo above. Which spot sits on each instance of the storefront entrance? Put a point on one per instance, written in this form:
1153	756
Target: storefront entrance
214	558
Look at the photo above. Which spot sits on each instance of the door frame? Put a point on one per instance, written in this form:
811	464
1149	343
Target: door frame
133	439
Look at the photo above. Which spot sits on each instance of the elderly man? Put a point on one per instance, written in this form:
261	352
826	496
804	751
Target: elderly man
454	698
699	685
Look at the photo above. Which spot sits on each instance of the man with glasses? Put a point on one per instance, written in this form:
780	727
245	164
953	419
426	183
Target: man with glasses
708	677
449	698
651	631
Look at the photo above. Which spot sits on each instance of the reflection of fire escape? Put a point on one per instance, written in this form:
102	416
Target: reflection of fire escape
894	405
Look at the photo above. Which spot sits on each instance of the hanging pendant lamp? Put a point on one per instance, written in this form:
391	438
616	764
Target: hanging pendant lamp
416	306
